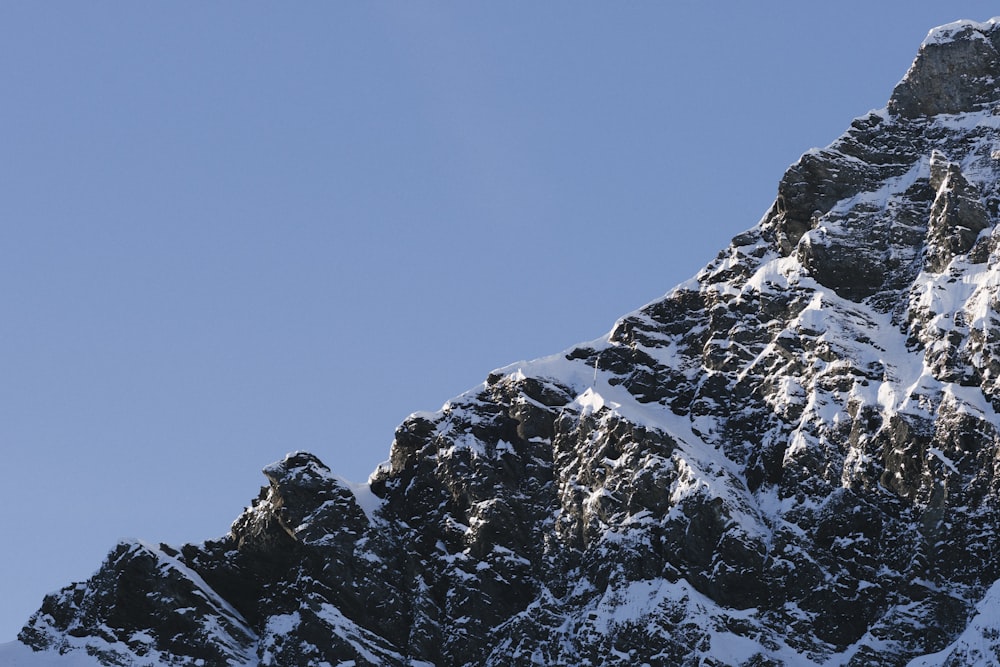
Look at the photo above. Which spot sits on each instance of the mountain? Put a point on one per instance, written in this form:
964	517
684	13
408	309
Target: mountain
791	459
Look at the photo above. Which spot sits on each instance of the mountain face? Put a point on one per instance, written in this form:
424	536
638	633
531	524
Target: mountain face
792	459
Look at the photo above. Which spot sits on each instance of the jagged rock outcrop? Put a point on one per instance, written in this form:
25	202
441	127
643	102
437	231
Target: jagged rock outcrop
957	215
956	71
792	459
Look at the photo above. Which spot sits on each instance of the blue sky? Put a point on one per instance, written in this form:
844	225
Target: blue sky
229	232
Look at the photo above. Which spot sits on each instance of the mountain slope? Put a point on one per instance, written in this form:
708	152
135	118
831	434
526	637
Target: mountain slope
790	459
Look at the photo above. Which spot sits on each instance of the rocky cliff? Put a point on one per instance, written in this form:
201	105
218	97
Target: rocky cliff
791	459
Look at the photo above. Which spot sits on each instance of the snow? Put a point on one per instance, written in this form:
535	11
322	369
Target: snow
934	451
367	501
639	603
590	402
777	274
948	32
887	191
978	644
16	654
217	600
352	633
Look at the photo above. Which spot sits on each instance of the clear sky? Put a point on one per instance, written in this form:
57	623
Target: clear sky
229	231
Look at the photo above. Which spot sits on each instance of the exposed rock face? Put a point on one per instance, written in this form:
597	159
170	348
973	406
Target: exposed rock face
791	459
957	215
956	71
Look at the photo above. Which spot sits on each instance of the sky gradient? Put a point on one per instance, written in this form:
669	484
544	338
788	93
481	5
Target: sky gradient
226	235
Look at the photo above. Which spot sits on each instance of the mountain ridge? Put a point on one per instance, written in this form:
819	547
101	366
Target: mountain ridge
782	461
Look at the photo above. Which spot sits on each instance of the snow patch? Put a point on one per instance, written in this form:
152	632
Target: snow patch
16	654
950	31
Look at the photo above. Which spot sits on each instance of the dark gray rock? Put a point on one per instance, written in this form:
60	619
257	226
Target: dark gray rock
957	215
955	72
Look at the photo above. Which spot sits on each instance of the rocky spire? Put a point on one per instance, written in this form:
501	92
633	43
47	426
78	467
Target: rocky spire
956	71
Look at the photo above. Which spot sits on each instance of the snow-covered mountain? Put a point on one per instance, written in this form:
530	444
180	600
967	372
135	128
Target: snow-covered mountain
791	459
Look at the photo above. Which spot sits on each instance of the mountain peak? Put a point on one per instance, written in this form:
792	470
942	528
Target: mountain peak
789	460
955	71
960	30
305	501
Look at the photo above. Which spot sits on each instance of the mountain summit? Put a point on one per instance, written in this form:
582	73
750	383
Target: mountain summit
791	459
